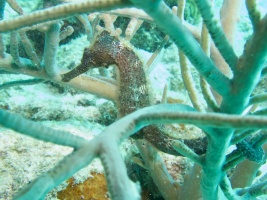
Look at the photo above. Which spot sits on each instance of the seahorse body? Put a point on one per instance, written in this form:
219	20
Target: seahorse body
133	86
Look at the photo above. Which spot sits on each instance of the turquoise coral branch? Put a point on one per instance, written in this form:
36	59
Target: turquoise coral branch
173	27
38	131
101	145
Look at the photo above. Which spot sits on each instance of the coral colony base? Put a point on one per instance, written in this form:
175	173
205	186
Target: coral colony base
185	119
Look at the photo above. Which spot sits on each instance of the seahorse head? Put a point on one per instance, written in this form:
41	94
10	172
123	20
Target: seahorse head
103	50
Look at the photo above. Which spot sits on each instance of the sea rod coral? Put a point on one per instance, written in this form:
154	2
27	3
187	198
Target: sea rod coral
234	112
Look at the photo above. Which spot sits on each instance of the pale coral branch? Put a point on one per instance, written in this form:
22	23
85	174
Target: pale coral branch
152	60
132	12
208	96
260	98
192	183
140	14
217	34
87	26
50	49
14	48
29	49
185	69
240	179
85	83
164	94
132	27
59	12
2	47
109	21
229	16
66	32
158	171
205	87
15	6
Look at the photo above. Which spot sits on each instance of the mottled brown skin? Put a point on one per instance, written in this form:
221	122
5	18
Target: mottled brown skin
133	87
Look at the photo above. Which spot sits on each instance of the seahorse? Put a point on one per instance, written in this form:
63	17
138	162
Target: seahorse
134	90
